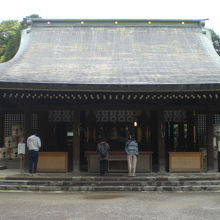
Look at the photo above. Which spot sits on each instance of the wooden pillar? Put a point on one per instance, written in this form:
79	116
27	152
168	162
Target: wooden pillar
181	139
191	131
172	137
76	142
43	128
27	121
153	140
27	128
210	133
1	128
161	142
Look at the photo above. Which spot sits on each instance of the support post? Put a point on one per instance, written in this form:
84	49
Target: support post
27	120
191	141
1	128
218	157
43	128
210	150
161	142
76	142
27	128
2	131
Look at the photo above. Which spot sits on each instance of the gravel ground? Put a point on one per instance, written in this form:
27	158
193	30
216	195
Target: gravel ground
103	205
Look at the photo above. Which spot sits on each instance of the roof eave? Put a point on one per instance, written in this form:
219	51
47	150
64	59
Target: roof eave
110	87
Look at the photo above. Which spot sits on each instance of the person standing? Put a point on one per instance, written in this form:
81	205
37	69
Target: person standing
33	145
103	150
131	148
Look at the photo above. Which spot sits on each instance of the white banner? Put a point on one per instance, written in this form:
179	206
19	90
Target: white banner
21	148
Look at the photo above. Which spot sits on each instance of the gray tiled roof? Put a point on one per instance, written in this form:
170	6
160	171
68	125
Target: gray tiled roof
102	52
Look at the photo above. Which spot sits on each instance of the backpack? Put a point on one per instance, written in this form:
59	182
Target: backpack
103	149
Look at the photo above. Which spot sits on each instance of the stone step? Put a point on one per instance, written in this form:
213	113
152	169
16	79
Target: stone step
68	183
31	188
110	182
113	178
2	167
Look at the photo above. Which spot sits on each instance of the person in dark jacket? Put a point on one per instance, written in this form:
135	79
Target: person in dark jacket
103	150
131	148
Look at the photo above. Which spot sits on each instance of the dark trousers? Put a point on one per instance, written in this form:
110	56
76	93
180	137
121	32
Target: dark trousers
33	159
103	167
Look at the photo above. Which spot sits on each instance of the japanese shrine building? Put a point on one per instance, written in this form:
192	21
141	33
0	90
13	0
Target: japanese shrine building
75	81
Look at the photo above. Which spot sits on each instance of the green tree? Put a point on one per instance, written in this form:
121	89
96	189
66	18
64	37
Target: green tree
216	41
9	39
10	36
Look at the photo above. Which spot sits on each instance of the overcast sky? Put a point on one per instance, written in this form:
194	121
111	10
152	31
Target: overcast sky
113	9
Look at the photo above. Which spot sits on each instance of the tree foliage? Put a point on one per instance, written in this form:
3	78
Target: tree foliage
10	34
216	41
9	39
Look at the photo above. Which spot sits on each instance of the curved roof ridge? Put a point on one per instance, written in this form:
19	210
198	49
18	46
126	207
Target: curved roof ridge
116	19
119	22
114	55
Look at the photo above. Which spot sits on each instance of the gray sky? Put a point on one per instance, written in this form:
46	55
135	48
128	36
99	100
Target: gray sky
115	9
